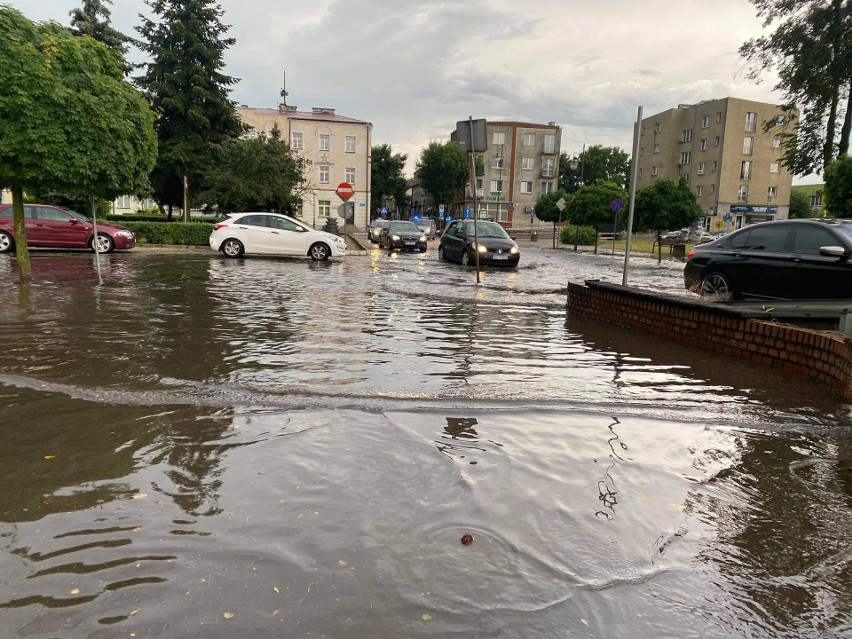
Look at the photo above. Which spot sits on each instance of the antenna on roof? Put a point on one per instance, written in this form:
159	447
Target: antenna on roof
284	87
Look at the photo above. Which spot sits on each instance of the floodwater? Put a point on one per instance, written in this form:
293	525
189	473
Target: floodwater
203	448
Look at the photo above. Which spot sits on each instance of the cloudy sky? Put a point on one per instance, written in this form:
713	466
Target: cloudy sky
413	68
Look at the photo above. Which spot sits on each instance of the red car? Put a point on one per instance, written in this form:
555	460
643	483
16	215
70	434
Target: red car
51	226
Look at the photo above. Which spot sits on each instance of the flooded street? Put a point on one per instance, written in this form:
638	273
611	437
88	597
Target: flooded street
204	448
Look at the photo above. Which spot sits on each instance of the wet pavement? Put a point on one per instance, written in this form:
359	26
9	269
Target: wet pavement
272	448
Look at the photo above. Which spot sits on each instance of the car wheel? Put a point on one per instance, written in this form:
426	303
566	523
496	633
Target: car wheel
465	258
717	286
105	244
232	248
441	255
319	251
6	242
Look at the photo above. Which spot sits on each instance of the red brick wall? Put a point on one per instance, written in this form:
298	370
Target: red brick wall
823	356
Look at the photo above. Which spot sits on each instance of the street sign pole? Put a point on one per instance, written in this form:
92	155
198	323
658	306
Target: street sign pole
473	191
634	171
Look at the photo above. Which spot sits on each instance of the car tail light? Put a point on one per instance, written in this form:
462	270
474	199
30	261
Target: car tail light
216	227
691	253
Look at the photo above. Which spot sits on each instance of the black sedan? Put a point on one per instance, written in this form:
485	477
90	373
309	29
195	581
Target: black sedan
786	259
460	242
402	235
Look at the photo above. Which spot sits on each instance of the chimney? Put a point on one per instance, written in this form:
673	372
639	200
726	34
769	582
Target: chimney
325	110
286	108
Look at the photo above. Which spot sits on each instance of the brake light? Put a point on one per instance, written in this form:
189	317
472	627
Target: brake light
216	227
691	253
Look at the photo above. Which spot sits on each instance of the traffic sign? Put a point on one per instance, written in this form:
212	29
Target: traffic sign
383	210
345	191
617	205
467	212
440	208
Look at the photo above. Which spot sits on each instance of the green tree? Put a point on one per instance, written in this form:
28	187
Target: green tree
443	171
605	163
547	210
71	123
259	174
189	93
386	177
838	187
811	49
800	205
664	206
93	20
592	204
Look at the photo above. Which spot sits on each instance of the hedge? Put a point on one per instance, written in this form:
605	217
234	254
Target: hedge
191	234
587	237
153	217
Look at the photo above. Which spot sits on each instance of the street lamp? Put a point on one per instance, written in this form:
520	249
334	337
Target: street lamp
573	166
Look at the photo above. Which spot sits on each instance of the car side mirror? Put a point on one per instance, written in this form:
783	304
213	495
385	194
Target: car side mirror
832	251
73	220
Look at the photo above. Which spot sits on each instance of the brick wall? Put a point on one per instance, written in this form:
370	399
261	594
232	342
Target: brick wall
823	356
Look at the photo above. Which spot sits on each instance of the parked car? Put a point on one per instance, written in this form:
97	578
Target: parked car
459	244
52	226
699	236
785	259
402	235
428	227
674	237
273	234
375	229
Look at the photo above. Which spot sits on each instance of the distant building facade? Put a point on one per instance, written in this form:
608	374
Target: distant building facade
814	193
521	163
338	149
731	164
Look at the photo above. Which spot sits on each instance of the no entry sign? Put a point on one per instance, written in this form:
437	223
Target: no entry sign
345	191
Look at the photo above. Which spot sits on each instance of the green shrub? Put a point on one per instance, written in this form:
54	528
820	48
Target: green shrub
569	233
136	217
180	233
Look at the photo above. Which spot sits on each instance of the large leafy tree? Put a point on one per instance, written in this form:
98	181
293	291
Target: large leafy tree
70	122
188	91
605	163
811	48
547	209
443	171
800	206
664	206
259	174
93	20
838	187
386	177
592	204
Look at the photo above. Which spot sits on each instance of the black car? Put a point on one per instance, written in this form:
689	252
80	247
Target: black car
495	247
402	235
786	259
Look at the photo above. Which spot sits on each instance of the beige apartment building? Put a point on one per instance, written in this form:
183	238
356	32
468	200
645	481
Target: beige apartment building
732	165
338	149
521	163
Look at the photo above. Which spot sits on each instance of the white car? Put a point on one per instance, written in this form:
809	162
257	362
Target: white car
273	234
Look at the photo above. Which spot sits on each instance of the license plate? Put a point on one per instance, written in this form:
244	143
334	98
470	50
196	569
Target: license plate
409	243
501	257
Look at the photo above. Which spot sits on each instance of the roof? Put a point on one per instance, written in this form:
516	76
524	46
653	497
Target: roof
305	115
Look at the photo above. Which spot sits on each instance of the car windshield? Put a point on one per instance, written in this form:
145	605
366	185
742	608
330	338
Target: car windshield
379	223
486	229
403	227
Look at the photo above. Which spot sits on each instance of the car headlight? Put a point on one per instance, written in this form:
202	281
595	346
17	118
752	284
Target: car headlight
481	248
515	249
422	238
395	238
124	234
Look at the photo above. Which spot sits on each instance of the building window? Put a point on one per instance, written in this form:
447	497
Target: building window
653	170
529	139
123	202
712	188
751	121
716	141
742	194
499	138
325	142
745	170
350	174
547	167
774	167
772	192
296	141
780	120
719	117
776	143
526	187
687	135
705	121
251	134
497	162
703	144
701	168
324	207
640	172
816	199
496	186
656	148
549	143
527	164
658	127
685	157
748	146
350	144
684	177
547	187
715	165
323	173
699	190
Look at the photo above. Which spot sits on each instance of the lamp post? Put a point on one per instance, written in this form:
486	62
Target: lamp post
573	166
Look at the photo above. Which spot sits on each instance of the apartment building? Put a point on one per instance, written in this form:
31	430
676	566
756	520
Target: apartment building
338	149
521	163
731	163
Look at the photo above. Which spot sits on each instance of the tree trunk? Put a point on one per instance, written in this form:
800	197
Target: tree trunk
659	248
20	230
830	128
169	219
847	125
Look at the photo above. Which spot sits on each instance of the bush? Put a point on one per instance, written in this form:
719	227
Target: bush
587	235
181	233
